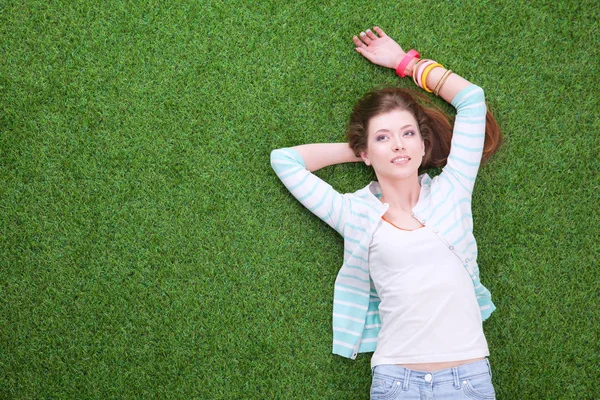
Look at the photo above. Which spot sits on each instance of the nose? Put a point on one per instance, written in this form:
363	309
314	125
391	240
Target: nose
398	145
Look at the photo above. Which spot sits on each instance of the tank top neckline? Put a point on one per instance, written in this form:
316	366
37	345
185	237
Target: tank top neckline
402	229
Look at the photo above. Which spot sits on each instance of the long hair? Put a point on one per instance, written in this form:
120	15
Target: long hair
435	125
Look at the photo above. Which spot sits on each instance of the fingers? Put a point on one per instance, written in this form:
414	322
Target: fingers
379	31
357	41
366	38
370	35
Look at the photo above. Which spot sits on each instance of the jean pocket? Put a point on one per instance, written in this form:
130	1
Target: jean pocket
479	387
385	387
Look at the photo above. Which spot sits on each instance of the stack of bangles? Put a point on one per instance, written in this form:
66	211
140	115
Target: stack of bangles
420	71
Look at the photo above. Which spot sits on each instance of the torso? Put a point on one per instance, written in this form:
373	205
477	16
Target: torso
437	366
429	312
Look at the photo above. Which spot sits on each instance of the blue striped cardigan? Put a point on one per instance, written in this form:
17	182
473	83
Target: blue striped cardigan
444	205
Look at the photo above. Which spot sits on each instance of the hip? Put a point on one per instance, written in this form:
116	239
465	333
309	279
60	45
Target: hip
472	380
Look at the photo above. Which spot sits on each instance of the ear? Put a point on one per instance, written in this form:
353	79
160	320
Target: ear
365	157
423	146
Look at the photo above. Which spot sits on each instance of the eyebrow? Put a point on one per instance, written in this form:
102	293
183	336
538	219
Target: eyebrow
387	130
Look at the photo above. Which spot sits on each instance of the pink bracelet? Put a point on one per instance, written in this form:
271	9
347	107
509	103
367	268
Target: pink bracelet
412	53
419	73
416	68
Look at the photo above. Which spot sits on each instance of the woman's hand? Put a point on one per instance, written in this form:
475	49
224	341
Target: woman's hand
380	49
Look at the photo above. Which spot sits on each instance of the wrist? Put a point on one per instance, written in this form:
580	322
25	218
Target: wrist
410	68
407	59
397	60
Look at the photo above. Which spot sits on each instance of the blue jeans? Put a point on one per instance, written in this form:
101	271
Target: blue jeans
468	381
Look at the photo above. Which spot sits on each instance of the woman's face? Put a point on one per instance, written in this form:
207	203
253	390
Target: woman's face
395	148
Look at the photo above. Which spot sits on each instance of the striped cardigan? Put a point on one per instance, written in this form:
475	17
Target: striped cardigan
444	205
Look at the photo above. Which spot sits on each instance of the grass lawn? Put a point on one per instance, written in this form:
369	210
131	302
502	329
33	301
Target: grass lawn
147	250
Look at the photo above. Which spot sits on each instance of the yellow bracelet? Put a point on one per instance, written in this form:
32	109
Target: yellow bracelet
425	73
438	87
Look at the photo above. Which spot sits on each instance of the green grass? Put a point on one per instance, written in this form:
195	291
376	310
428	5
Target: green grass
147	249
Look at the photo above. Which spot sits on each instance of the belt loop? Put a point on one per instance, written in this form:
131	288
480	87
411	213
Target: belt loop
406	379
456	378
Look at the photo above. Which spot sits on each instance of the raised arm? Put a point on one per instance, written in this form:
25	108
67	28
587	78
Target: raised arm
314	193
382	50
320	155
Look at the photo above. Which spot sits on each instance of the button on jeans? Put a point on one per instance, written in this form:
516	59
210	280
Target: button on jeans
468	381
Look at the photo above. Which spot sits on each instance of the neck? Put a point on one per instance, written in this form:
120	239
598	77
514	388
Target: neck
400	194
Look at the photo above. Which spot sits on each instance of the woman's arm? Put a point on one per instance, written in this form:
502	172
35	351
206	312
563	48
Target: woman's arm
382	50
320	155
294	166
314	193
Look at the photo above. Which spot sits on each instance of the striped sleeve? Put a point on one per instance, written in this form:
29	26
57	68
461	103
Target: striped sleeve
314	193
467	138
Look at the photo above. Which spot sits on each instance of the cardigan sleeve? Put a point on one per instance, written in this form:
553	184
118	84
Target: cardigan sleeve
314	193
467	138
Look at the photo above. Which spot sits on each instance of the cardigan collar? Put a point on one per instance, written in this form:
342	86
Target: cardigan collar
373	192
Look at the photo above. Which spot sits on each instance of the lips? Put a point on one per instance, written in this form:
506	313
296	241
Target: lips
400	160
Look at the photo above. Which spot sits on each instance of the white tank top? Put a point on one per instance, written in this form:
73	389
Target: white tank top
429	312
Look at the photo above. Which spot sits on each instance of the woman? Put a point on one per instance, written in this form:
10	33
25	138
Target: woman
409	286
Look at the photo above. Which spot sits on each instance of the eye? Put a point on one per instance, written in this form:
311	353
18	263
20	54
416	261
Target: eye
409	133
380	138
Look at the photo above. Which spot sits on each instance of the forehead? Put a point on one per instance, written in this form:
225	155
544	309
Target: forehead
392	120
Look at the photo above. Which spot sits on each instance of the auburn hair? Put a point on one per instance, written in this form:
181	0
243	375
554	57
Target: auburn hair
434	124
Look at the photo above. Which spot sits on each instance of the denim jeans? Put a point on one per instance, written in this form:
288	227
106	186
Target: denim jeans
468	381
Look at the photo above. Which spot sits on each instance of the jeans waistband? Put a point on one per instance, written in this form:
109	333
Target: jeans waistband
454	374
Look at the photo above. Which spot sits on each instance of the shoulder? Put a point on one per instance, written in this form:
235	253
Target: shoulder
365	205
370	194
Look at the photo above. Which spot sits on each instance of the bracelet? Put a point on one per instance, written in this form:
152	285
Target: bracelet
405	61
426	72
417	71
438	87
415	68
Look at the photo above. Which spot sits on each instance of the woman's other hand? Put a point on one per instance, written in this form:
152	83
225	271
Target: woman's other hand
379	48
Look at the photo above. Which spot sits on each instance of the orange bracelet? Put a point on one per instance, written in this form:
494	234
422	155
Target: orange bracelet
425	73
